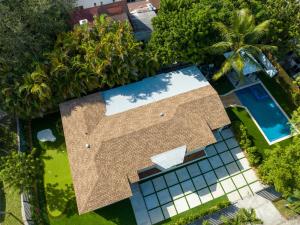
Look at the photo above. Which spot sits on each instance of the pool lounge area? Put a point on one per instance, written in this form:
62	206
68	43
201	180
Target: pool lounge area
266	112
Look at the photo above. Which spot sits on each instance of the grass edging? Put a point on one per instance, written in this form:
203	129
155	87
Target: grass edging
198	212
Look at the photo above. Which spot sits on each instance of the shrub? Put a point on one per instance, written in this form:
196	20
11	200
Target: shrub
191	218
241	132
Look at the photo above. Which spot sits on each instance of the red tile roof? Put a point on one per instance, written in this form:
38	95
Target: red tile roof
116	10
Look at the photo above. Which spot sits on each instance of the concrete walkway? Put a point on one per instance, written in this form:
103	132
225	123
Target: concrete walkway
230	99
264	209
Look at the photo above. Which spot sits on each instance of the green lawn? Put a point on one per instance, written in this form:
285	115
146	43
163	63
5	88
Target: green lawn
240	114
58	189
197	210
10	201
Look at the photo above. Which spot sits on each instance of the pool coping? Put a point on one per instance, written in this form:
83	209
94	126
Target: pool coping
254	120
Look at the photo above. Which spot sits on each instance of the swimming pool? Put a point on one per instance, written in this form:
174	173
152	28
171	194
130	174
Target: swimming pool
271	120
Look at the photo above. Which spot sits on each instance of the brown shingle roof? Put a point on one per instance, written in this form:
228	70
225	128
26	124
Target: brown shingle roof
123	143
155	3
116	10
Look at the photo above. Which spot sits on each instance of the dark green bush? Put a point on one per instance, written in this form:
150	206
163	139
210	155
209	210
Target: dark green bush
242	135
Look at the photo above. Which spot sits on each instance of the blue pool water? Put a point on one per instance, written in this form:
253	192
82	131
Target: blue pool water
267	114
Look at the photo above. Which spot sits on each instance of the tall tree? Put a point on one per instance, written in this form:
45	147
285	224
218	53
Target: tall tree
282	168
105	55
241	37
183	29
28	29
83	60
20	171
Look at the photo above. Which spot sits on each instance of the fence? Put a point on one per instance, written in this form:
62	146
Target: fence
26	209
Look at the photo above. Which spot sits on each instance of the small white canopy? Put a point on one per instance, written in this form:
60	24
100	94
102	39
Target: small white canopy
46	135
251	64
170	158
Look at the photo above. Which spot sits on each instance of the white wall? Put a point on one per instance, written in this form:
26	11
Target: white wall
90	3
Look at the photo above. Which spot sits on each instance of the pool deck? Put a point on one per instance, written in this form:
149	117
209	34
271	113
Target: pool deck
230	100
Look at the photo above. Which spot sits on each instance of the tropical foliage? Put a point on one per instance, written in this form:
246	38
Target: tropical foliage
253	154
243	217
27	29
20	171
282	168
83	60
295	120
8	139
243	38
183	29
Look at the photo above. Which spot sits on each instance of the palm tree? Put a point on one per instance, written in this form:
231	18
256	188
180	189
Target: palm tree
242	37
243	217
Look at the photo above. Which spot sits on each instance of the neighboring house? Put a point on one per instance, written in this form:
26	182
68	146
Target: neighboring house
291	64
117	11
141	14
117	137
84	4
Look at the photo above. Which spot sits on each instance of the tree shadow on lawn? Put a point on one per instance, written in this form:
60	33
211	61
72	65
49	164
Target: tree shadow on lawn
120	213
53	122
61	199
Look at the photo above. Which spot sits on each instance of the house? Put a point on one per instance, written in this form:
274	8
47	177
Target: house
118	137
141	14
117	11
85	4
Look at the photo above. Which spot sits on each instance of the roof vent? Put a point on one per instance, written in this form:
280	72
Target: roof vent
150	7
84	21
161	114
88	146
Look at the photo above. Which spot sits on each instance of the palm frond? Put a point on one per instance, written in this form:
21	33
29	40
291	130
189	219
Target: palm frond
258	32
225	68
266	48
225	31
220	47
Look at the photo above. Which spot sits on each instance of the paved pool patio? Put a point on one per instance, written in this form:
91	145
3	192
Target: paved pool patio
224	171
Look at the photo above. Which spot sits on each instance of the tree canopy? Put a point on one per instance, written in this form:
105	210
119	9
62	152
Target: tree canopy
20	171
282	168
243	38
27	29
183	28
83	60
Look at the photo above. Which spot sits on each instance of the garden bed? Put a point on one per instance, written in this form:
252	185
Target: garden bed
198	212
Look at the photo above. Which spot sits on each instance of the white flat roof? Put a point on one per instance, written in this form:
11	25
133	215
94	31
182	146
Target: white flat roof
170	158
153	89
